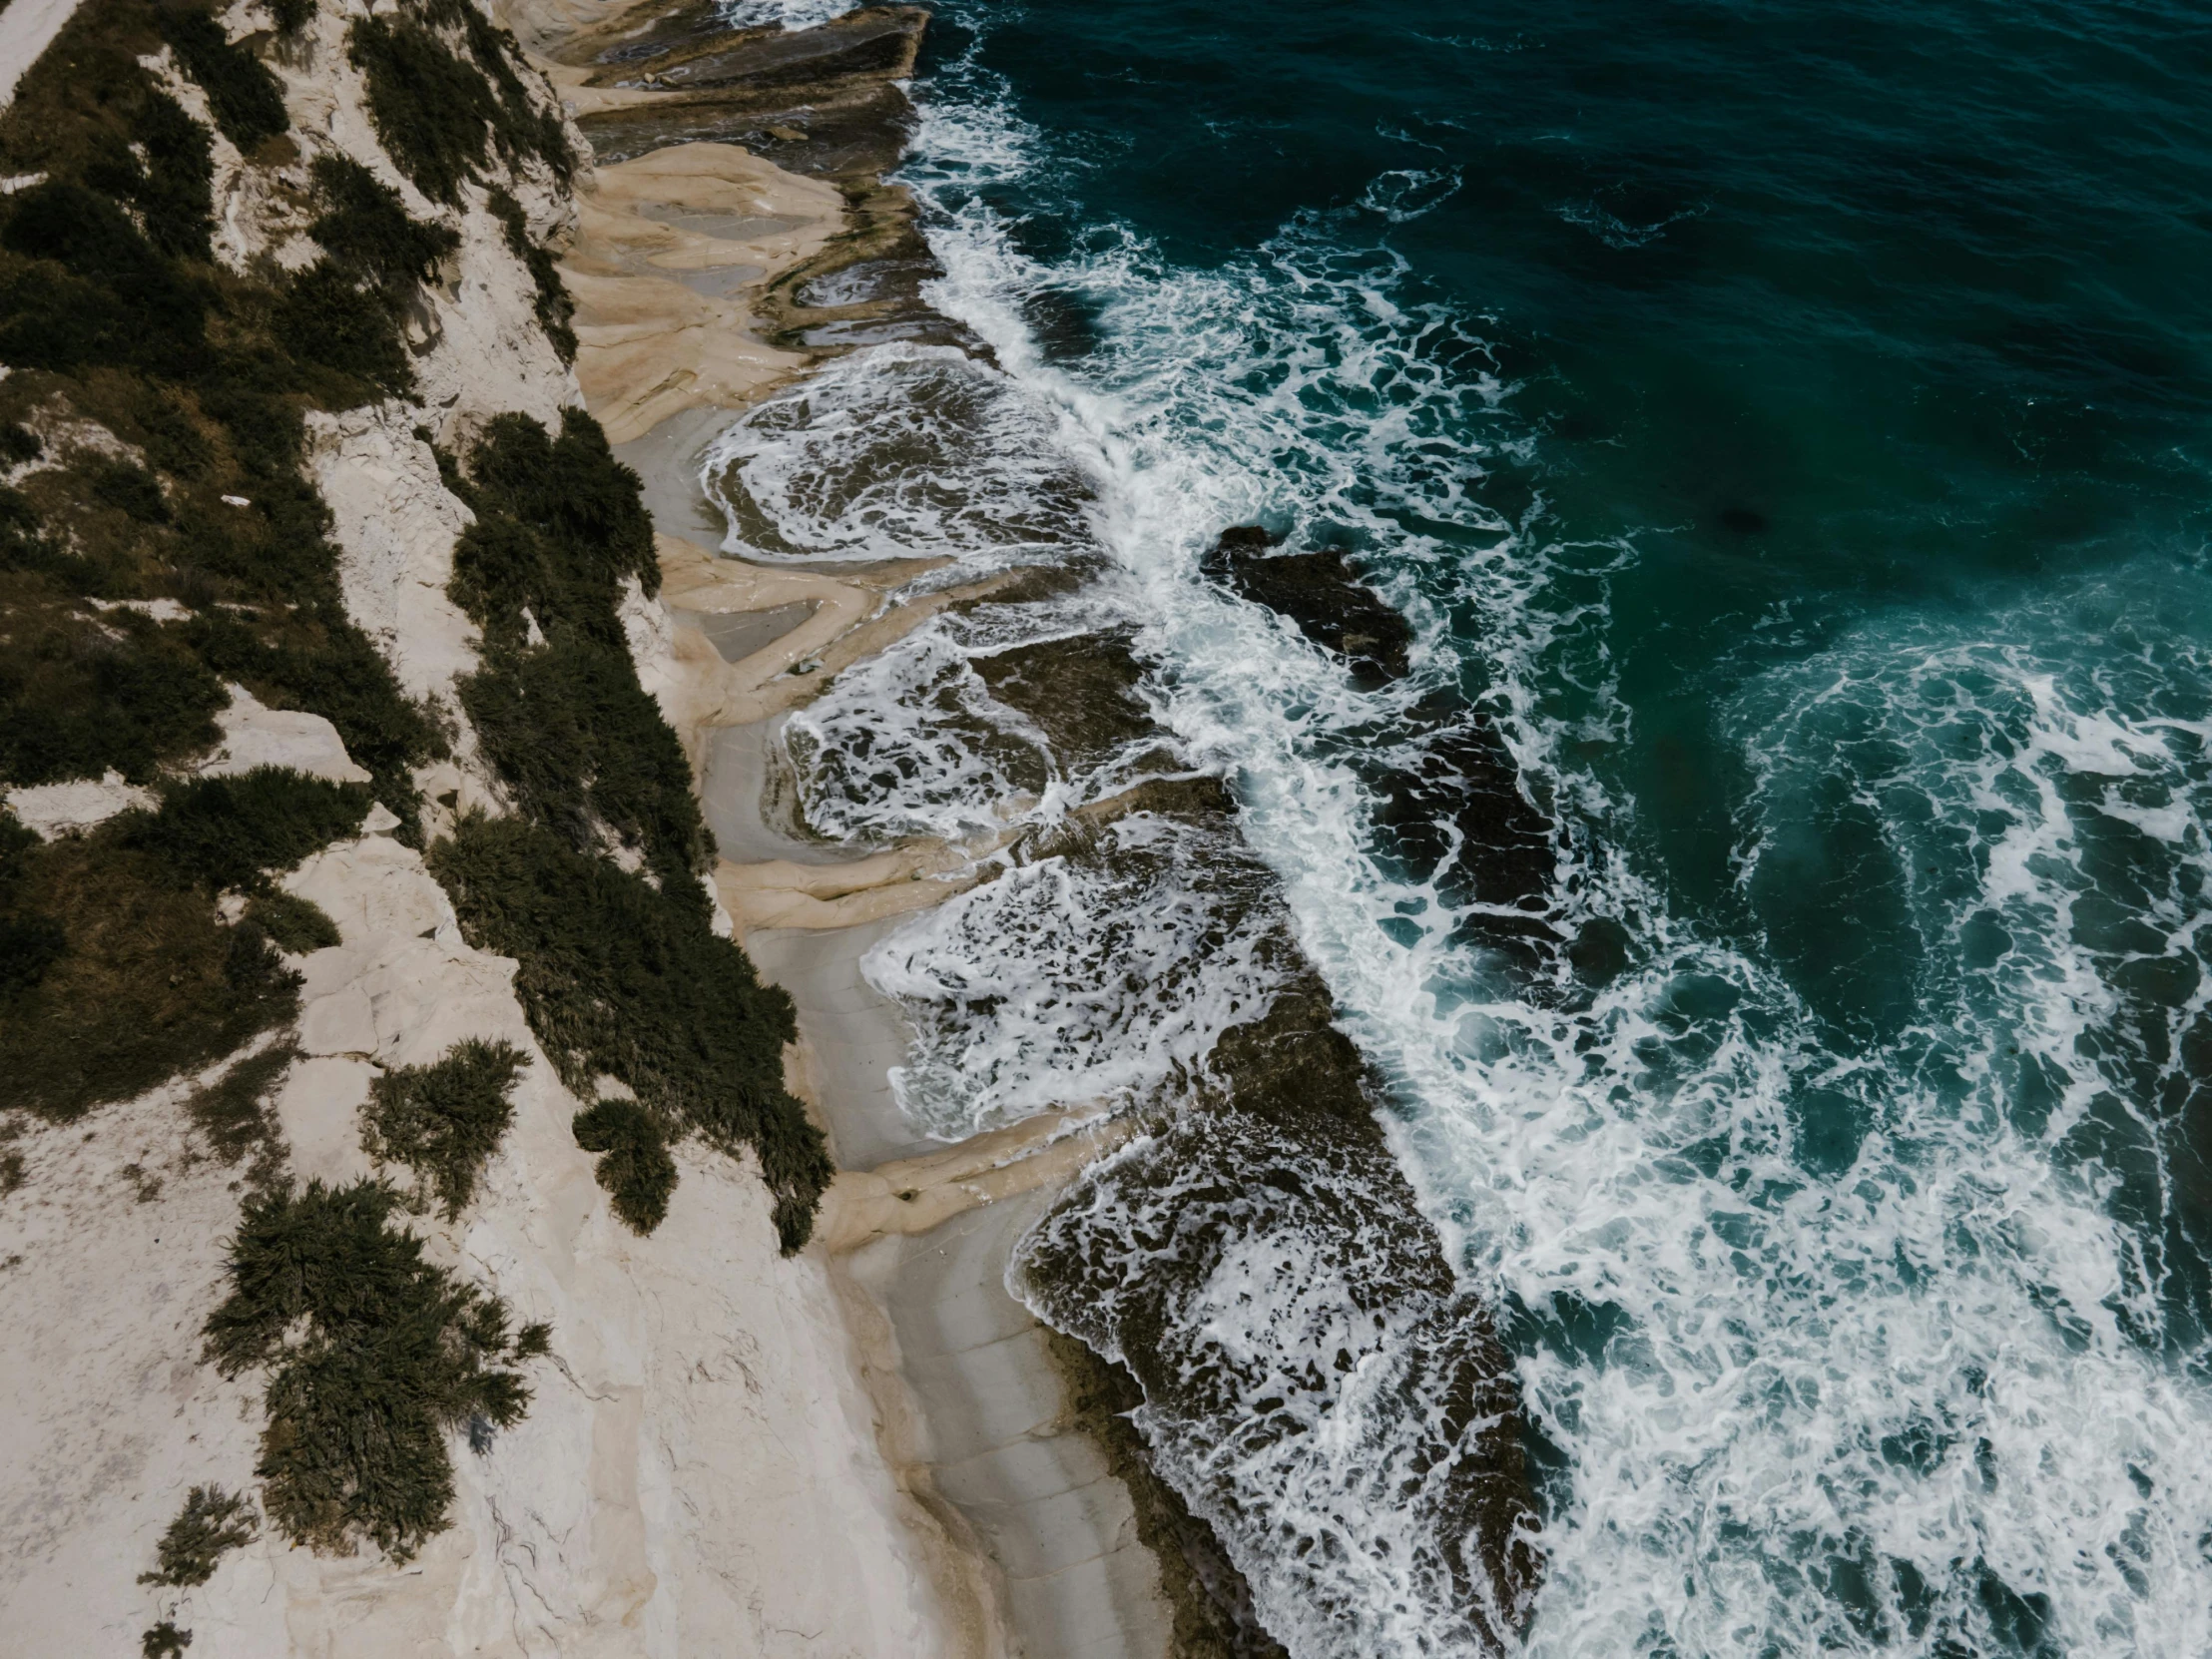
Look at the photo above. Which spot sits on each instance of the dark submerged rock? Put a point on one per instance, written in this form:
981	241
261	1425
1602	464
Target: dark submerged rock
1280	1160
1322	595
1458	816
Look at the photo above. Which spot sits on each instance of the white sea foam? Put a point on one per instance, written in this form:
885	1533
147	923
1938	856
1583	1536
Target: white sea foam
1071	982
901	451
911	742
785	14
1919	1401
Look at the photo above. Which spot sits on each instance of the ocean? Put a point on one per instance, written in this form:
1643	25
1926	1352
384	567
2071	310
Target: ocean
1786	427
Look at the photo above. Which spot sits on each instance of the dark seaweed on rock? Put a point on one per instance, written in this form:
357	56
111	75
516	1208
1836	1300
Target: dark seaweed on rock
1214	1616
1322	595
824	101
1457	814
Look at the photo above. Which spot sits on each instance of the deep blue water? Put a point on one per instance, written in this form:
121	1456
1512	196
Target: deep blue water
1787	426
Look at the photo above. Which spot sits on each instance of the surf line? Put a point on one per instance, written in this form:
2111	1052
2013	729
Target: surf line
730	197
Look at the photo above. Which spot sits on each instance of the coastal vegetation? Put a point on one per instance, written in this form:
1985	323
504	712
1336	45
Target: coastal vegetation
623	979
212	1521
374	1356
293	925
444	1120
166	538
635	1167
122	972
621	973
557	706
554	309
438	114
232	1112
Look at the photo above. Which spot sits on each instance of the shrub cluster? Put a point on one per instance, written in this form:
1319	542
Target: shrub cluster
232	1112
438	114
346	311
212	1521
444	1120
623	979
634	1166
231	832
582	746
243	95
621	973
293	925
374	1356
123	973
110	306
556	312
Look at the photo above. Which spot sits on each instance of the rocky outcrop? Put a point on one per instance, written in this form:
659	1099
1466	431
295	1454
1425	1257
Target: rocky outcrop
1322	596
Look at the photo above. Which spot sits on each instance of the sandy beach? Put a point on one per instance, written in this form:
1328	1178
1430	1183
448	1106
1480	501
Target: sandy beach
980	1426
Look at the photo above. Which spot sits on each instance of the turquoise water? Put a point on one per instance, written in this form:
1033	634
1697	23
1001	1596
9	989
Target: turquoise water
1787	429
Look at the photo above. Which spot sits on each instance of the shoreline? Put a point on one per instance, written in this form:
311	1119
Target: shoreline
974	1414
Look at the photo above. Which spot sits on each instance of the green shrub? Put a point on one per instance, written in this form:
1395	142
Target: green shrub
373	1357
435	114
432	110
291	15
345	312
293	925
165	1641
365	227
444	1120
634	1166
321	663
327	318
231	832
578	742
105	278
129	488
29	945
97	291
232	1112
619	978
18	443
148	982
75	701
212	1521
242	96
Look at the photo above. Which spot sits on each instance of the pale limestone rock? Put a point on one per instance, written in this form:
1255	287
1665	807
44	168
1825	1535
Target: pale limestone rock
345	1023
256	736
27	28
161	610
318	1109
70	809
396	525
